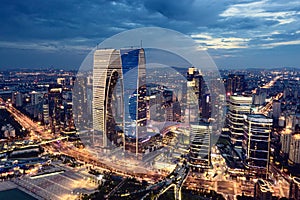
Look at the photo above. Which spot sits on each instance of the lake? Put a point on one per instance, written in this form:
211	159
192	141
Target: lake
15	194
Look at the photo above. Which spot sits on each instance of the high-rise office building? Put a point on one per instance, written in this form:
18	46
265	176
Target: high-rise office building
294	154
193	110
276	109
46	111
106	71
55	102
200	146
168	104
135	91
260	97
206	106
290	121
154	104
235	83
195	80
238	106
119	83
285	140
256	145
36	97
17	99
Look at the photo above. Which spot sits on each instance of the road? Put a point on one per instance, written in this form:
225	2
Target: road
216	179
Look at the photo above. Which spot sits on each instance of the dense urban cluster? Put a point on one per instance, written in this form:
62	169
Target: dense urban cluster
46	132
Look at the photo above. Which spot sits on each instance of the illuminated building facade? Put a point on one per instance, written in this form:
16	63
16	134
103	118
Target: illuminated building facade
106	71
235	83
199	110
294	154
256	145
285	140
200	146
119	107
195	80
206	107
238	106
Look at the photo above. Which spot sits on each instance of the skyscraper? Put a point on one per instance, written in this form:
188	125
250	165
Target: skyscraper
134	92
195	79
235	83
256	145
200	147
238	106
294	154
118	87
285	140
276	109
194	95
206	107
106	71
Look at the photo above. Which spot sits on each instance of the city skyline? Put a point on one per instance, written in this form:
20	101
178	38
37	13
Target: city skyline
237	34
256	153
150	99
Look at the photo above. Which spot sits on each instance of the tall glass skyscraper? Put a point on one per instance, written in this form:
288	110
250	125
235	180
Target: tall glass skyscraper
106	72
238	106
256	146
119	108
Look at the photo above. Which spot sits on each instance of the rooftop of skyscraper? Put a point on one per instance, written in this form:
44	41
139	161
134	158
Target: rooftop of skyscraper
259	118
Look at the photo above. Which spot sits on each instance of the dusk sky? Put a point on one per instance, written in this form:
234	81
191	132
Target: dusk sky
236	33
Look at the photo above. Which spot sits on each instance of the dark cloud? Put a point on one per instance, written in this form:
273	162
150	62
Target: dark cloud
58	28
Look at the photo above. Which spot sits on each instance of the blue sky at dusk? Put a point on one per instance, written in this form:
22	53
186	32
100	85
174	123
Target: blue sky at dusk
236	33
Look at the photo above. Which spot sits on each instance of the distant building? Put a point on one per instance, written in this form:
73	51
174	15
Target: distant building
285	140
262	190
36	97
55	106
168	104
46	112
195	80
281	121
235	83
294	154
290	121
9	131
61	81
276	109
238	106
256	145
154	104
18	99
206	106
260	97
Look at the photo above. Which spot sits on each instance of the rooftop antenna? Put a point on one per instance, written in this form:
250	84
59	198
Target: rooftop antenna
141	43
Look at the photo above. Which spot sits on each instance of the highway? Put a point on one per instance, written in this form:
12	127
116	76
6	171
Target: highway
266	109
269	84
38	133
